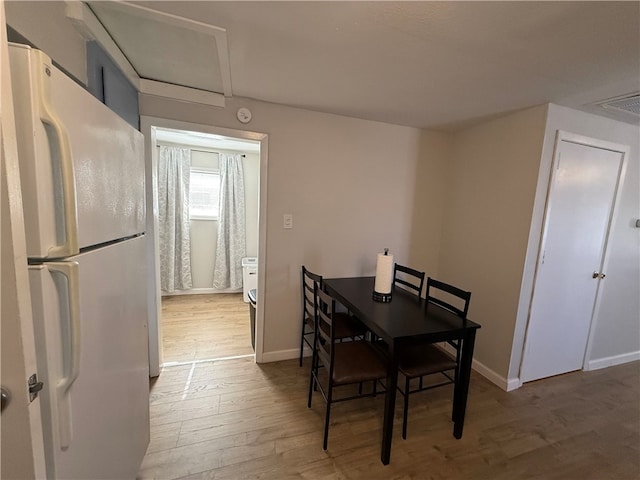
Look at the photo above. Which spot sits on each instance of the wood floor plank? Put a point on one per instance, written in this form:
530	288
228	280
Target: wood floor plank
206	326
238	420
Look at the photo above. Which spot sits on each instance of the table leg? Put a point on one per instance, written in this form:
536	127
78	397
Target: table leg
389	407
462	385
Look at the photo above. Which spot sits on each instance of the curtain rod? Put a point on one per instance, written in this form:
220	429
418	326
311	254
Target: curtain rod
202	151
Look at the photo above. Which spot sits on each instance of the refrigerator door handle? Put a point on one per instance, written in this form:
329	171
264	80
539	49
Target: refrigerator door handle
71	357
56	129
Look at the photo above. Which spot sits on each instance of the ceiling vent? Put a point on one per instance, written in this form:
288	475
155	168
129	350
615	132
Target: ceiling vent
628	104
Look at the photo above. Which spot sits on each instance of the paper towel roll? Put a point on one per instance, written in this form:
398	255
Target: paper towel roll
384	273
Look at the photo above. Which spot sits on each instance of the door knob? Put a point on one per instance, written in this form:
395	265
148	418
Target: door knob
598	275
5	396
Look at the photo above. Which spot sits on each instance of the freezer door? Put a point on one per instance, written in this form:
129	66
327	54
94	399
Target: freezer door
81	165
91	332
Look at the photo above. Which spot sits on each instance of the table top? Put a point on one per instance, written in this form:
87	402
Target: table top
406	316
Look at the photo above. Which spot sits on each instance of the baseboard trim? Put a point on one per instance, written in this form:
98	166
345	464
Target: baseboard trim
280	355
505	384
200	291
513	383
611	361
479	367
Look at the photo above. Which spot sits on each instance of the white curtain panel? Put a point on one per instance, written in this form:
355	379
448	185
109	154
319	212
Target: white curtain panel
173	216
231	248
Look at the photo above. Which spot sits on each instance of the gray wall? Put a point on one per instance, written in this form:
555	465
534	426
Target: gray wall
457	206
353	186
495	199
489	202
352	189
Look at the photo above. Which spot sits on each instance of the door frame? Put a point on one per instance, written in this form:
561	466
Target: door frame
153	258
565	136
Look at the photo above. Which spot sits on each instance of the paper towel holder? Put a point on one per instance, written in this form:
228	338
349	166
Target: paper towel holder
382	297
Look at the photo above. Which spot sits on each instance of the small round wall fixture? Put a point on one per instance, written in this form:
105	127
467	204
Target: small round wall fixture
244	115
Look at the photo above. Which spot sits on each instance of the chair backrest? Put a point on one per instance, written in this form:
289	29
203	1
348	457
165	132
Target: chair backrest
463	295
325	333
408	278
309	281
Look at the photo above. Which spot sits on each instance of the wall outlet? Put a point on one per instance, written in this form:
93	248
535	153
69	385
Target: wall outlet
287	220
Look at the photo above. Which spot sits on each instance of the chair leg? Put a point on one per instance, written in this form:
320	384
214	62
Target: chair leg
457	370
455	375
311	384
405	413
453	397
312	381
313	376
453	412
327	415
301	344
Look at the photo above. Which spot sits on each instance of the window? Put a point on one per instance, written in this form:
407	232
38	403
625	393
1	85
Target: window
204	194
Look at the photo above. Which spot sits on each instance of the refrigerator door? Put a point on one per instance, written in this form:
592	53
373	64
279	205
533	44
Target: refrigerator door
81	165
91	332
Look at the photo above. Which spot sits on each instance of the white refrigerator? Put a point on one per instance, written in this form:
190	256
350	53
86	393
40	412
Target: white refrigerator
82	182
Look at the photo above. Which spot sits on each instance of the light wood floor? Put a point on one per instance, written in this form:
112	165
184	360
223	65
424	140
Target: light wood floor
198	327
239	420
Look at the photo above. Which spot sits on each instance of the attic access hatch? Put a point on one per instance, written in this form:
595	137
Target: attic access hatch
166	55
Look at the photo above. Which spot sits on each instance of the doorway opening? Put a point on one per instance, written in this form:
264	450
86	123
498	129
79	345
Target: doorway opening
200	297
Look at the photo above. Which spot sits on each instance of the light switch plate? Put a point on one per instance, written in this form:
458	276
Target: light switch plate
287	220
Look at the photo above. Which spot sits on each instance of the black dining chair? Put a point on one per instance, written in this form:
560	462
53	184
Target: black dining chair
421	360
347	326
340	364
408	278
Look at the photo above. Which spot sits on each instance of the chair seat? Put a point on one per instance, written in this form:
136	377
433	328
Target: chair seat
345	326
420	360
357	362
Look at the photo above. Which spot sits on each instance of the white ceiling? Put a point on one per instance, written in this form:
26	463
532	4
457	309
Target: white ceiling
422	64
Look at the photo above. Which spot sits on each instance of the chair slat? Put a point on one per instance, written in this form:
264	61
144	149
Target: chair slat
413	279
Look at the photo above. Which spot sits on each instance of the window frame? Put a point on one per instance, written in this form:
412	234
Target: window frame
210	171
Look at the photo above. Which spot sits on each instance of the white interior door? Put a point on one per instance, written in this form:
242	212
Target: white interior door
579	211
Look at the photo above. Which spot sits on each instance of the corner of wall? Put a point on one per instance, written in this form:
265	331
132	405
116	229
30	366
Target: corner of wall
431	180
494	171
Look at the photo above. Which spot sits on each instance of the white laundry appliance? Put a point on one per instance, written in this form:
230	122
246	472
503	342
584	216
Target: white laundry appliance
249	276
82	183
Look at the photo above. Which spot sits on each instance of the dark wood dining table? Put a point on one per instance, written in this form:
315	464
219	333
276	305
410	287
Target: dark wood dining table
402	321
